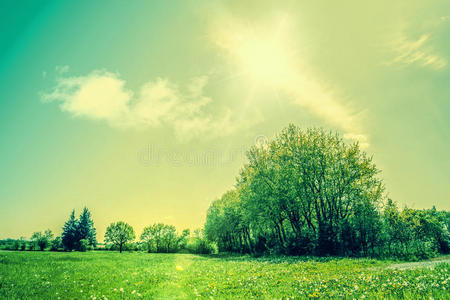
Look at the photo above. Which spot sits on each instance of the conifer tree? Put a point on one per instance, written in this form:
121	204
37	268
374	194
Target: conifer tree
69	235
86	228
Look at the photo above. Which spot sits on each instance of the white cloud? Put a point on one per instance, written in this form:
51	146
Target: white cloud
103	96
418	51
99	95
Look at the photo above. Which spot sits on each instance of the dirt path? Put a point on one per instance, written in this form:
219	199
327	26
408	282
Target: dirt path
420	264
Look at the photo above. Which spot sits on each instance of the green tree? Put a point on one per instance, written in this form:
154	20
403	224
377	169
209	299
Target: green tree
70	235
56	244
42	240
149	238
162	238
23	243
119	234
86	229
169	238
298	194
183	238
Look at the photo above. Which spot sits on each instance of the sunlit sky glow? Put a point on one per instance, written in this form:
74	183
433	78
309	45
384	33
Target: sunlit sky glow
142	110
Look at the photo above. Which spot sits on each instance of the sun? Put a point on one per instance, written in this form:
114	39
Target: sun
264	59
263	54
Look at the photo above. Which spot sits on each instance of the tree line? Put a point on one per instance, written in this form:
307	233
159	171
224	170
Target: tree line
80	235
307	192
77	234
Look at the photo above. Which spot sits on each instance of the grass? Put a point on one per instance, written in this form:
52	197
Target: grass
111	275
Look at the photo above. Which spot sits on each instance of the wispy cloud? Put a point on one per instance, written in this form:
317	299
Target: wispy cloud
419	51
325	103
103	96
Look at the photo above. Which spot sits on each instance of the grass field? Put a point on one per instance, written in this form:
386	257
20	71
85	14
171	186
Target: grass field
101	275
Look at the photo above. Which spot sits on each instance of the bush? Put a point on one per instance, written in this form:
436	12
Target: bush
83	245
56	244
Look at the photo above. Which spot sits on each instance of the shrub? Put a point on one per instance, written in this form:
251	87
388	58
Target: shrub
56	244
84	243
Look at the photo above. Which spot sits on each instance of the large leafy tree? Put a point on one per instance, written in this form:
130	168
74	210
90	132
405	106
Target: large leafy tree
150	238
119	234
305	191
169	238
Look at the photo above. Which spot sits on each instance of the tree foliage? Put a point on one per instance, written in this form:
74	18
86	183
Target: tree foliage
86	229
309	192
119	234
162	238
69	235
75	230
42	240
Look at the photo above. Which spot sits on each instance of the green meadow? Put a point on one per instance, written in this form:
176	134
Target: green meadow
134	275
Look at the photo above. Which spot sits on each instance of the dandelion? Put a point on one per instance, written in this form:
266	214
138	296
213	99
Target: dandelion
179	268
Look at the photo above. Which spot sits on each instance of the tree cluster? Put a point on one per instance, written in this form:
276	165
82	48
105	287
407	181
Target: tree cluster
309	192
157	238
38	241
42	240
163	238
79	234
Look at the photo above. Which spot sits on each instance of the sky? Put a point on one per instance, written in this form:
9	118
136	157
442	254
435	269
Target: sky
143	110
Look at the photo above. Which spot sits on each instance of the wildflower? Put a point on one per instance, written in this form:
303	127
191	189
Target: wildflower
121	290
179	268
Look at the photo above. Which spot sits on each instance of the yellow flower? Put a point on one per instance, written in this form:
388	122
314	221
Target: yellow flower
179	268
